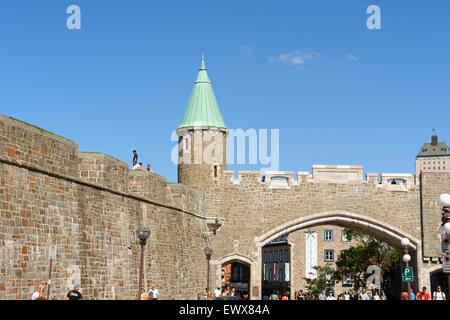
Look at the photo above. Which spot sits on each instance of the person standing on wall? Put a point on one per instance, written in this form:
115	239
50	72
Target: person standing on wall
135	158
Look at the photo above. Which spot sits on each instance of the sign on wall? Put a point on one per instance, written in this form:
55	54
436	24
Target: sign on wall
311	255
52	252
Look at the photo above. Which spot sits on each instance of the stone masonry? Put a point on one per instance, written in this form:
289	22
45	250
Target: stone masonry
90	205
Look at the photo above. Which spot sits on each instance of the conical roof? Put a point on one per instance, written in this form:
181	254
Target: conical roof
202	109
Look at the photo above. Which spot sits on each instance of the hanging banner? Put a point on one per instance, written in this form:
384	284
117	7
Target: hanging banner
311	255
286	272
266	271
275	278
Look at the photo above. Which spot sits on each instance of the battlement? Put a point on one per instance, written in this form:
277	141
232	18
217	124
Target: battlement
29	146
336	174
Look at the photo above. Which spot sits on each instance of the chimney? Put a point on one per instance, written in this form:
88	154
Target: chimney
434	140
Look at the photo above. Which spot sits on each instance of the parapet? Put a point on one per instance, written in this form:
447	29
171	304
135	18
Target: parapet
322	174
31	146
104	170
337	173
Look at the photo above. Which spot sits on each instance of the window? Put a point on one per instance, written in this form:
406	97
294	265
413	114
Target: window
265	256
281	255
275	256
345	237
328	235
329	255
186	142
215	171
347	280
270	256
329	275
281	275
286	256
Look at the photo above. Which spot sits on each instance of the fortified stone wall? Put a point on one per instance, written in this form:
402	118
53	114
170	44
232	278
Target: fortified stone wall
90	205
258	207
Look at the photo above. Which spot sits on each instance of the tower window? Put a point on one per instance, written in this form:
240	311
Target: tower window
215	171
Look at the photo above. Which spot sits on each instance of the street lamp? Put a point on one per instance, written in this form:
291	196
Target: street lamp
406	259
444	229
143	233
208	253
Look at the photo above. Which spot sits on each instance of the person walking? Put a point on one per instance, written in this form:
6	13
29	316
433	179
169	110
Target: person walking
412	295
331	296
144	295
376	296
404	295
438	294
423	295
322	295
154	292
74	294
217	293
300	295
346	295
39	291
363	295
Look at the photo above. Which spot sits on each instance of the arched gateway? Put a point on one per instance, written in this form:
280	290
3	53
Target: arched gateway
259	207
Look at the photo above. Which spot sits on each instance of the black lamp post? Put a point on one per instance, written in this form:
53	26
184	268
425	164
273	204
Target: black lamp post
208	253
143	233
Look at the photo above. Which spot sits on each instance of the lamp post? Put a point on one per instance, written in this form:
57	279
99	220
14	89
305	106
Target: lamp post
444	229
406	259
208	253
143	233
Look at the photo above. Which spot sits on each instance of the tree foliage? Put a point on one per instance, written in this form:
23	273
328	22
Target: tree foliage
368	251
322	281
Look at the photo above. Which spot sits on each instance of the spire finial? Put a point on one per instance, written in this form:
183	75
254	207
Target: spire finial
202	67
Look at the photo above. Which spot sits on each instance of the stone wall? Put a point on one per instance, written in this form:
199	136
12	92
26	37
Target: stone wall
90	205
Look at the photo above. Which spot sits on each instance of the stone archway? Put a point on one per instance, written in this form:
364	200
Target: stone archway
368	225
230	259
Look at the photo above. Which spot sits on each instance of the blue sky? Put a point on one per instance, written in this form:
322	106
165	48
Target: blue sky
338	92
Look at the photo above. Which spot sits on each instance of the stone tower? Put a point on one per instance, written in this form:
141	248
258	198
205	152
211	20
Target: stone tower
201	137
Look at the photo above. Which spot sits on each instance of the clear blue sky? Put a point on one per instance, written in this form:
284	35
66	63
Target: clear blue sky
122	82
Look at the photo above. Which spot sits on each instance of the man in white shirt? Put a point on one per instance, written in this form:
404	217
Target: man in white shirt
330	296
155	292
217	292
438	295
38	292
363	295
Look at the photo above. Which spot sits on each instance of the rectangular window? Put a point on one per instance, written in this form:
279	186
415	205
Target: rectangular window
347	280
281	275
329	275
286	256
329	255
215	171
344	236
328	235
265	256
281	255
275	256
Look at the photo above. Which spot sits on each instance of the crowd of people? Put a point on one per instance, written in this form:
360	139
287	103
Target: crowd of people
423	294
222	293
74	294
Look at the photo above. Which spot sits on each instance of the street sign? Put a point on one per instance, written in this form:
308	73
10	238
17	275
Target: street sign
52	252
445	244
446	263
407	274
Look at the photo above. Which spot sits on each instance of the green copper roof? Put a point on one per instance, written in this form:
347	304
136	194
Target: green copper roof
202	109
